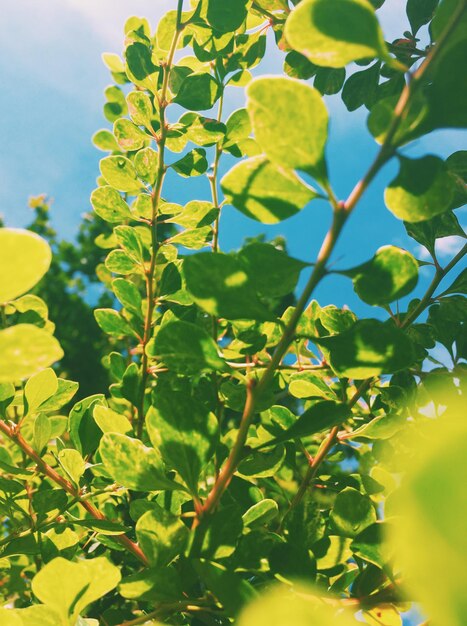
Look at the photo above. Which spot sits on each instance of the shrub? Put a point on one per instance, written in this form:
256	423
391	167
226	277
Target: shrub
249	442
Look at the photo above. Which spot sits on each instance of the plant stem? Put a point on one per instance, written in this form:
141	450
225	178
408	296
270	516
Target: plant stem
173	607
324	449
156	197
213	182
13	434
438	277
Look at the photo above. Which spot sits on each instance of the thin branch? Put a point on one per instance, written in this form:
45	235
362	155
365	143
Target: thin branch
156	197
438	277
14	435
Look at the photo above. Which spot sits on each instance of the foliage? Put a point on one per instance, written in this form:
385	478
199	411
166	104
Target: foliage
248	442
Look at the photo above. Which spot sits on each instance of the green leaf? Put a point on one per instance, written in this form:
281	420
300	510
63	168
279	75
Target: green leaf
119	262
428	231
328	80
457	166
73	463
115	106
185	432
309	385
24	259
422	189
146	164
448	96
36	615
198	92
130	240
195	238
131	464
272	271
305	607
369	348
381	427
289	561
113	62
261	513
202	131
109	204
194	214
333	33
120	173
391	274
352	512
262	464
370	545
220	285
420	12
9	617
68	587
140	108
140	66
264	191
459	285
161	535
226	17
110	421
274	101
7	395
232	591
112	323
129	295
102	526
220	533
38	389
42	432
361	88
82	428
158	584
194	163
322	415
298	66
128	135
411	126
25	350
105	140
187	349
430	508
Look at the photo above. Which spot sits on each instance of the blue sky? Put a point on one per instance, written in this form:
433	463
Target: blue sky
51	102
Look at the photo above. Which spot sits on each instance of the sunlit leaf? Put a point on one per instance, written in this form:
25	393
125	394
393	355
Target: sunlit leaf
220	285
335	32
186	348
391	274
25	350
264	191
132	464
24	259
369	348
421	190
184	431
272	102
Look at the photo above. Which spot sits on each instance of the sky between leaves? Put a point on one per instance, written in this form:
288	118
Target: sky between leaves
51	102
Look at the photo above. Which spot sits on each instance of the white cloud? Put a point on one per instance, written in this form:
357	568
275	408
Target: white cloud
444	247
107	17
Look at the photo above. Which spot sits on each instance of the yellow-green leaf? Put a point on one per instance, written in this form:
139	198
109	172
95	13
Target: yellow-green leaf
332	33
274	101
25	350
24	259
